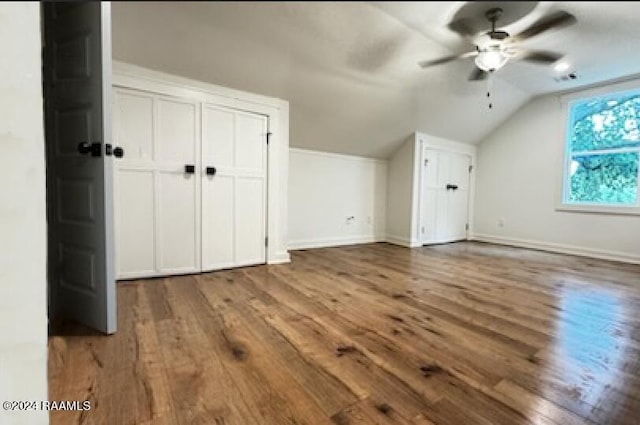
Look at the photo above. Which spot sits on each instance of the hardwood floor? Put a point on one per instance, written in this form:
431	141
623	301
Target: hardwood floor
465	333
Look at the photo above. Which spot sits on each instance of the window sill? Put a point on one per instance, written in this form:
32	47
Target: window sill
598	209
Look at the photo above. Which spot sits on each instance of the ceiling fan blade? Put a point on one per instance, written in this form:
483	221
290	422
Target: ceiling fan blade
555	20
425	64
477	74
463	27
543	57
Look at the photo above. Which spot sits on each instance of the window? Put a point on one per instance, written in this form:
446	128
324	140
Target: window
603	149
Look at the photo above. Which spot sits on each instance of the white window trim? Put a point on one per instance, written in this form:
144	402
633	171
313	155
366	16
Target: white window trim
566	100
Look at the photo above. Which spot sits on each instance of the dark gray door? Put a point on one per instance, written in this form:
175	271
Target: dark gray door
77	84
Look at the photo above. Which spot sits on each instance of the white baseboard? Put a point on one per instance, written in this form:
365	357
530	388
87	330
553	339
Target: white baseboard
398	240
560	248
338	241
280	258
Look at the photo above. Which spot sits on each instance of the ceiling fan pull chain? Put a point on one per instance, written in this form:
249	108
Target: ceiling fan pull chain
489	81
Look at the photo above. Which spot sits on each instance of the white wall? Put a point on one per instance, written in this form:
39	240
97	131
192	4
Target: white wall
325	189
518	180
401	193
23	315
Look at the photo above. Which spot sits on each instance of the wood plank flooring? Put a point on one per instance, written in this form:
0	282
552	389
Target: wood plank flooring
465	333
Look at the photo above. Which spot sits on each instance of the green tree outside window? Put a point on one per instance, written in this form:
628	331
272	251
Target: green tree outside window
604	147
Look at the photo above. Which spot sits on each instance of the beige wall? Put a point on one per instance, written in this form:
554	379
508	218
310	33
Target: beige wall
23	319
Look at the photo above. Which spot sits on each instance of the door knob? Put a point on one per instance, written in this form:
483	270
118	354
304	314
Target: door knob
118	152
86	148
211	171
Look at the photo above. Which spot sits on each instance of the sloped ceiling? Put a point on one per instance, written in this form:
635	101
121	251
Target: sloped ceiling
349	69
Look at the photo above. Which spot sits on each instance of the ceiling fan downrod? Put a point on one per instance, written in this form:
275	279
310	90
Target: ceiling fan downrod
493	15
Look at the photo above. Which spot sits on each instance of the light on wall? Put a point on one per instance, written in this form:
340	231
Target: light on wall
491	59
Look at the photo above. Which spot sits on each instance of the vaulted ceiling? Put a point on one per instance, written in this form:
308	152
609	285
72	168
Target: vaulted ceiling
349	69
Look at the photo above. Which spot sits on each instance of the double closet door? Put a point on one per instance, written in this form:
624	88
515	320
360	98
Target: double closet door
191	190
444	198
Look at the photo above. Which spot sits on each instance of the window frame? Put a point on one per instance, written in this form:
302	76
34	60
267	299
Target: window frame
609	91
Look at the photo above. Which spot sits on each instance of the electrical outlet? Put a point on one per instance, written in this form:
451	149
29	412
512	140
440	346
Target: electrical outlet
501	222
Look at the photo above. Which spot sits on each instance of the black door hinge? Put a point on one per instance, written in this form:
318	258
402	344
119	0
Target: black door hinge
266	241
269	137
470	168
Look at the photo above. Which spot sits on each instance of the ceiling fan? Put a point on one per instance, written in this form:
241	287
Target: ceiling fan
495	48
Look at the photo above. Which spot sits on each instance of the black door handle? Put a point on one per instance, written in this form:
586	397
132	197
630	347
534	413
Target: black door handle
90	148
211	171
452	186
189	169
118	152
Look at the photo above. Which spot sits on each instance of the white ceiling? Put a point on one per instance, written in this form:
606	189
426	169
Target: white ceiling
349	69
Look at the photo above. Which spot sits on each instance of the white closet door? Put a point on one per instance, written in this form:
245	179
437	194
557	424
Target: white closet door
157	203
430	196
444	212
458	199
442	205
177	192
134	184
234	198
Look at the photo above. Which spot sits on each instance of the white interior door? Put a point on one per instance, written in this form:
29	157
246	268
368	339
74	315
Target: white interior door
430	197
458	197
135	184
79	171
158	184
444	196
234	189
177	159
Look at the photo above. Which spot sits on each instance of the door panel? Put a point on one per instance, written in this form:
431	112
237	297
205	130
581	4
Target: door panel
177	238
218	230
458	210
219	138
442	215
444	167
249	142
71	126
428	217
136	184
76	201
136	224
234	199
459	171
429	195
176	131
134	125
457	216
77	85
250	247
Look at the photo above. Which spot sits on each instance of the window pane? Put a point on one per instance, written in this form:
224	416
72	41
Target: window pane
604	179
605	123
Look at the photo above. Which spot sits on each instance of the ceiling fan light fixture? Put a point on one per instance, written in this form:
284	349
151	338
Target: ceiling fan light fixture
491	59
